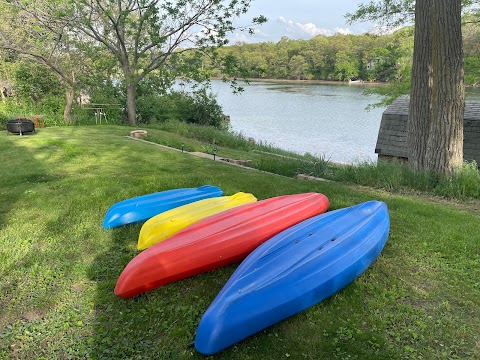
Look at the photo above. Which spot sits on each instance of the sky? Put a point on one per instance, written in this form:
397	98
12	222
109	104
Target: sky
301	19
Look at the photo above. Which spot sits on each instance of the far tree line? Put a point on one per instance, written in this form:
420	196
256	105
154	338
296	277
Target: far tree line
367	57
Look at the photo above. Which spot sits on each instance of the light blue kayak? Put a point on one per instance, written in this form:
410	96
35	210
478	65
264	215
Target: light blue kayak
292	271
144	207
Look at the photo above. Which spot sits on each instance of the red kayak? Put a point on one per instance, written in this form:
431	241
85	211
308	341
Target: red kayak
216	241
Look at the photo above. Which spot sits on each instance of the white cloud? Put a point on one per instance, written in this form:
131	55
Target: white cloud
307	30
243	36
342	31
239	37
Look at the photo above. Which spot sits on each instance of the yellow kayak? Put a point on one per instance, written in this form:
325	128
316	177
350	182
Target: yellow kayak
164	225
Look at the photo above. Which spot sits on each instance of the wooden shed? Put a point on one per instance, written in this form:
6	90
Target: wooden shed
392	136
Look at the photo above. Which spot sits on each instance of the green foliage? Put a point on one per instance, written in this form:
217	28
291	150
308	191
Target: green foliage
472	70
50	104
346	67
298	67
391	13
33	83
198	107
153	108
33	90
219	137
275	164
380	58
339	57
202	110
154	33
263	157
50	109
394	13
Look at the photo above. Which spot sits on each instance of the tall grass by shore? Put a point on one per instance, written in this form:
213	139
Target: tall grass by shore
398	176
389	175
419	300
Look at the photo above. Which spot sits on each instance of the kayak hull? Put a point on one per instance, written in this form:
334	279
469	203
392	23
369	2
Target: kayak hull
144	207
294	270
166	224
216	241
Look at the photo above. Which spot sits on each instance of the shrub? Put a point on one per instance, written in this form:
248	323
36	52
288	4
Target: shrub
50	104
153	108
199	108
202	108
33	82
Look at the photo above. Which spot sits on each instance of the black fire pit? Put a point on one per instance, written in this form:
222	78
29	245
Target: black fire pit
20	126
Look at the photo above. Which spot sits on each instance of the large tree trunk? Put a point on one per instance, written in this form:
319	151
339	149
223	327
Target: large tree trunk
435	123
445	142
421	93
69	97
131	94
131	84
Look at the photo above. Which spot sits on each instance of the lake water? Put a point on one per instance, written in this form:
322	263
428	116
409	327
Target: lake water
323	119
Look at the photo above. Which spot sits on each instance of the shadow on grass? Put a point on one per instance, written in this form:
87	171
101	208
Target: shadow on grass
158	324
20	172
49	205
30	257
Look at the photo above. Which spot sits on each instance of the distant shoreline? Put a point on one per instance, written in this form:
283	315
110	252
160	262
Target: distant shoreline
289	81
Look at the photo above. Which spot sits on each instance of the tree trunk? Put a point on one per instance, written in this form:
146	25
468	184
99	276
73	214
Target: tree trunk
131	82
435	122
131	106
445	142
69	97
421	93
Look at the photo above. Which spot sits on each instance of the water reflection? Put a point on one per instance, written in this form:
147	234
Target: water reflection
322	119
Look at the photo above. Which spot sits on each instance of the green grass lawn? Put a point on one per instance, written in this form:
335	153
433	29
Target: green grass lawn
58	266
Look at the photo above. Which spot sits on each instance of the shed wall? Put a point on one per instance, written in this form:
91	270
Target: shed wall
392	135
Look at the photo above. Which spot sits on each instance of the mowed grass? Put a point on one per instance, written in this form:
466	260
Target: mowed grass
58	268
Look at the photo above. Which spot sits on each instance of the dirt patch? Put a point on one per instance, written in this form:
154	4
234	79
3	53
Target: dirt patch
78	287
33	315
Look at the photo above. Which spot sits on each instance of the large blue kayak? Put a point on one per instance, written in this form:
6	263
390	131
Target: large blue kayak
144	207
292	271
